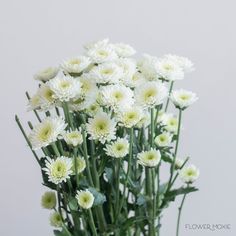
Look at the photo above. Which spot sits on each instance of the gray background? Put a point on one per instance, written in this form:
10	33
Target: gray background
36	34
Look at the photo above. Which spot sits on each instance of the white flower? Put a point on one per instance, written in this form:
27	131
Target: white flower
98	43
169	70
73	138
65	88
147	65
85	199
170	122
178	163
136	80
116	96
145	120
82	102
163	139
123	50
101	52
58	170
47	99
34	102
128	67
46	74
189	174
129	117
76	64
150	94
149	158
56	220
183	62
46	132
183	98
118	148
106	73
80	165
101	127
93	109
88	85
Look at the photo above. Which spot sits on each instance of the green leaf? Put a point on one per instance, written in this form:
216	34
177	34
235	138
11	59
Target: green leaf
60	233
73	205
109	174
141	200
99	198
130	221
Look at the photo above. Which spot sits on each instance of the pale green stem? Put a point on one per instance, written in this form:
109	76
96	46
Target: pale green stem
55	149
91	221
168	99
68	115
26	138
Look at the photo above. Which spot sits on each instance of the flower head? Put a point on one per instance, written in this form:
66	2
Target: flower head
101	127
46	132
123	50
80	165
58	170
183	98
34	102
149	158
116	96
118	148
129	117
65	88
150	94
85	199
73	138
56	220
46	74
170	122
189	174
48	200
76	64
178	163
169	70
163	139
46	95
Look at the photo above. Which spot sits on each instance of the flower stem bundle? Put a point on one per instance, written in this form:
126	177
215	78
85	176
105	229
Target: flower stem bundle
103	135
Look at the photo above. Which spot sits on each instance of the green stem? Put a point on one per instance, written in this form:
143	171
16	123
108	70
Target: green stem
154	198
176	150
76	167
168	99
27	139
152	127
179	214
91	221
67	114
55	149
128	171
117	187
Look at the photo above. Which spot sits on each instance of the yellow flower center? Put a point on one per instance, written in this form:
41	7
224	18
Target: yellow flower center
45	133
65	84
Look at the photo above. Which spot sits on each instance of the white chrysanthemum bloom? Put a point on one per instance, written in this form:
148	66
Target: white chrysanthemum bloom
98	43
183	62
101	127
189	174
34	102
150	94
183	98
147	65
169	70
129	117
136	80
49	200
88	85
93	109
46	74
164	139
46	132
76	65
56	220
65	88
73	138
128	67
149	158
82	103
47	99
117	96
80	165
178	163
170	122
145	120
101	52
85	199
58	170
118	148
123	50
107	73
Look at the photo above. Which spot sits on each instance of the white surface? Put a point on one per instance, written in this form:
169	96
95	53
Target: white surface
35	34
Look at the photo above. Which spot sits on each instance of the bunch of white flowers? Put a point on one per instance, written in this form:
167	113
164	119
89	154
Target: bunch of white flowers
104	133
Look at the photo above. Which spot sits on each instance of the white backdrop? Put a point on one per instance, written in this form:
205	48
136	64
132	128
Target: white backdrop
35	34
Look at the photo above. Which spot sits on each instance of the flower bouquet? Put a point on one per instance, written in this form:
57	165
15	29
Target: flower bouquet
103	135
